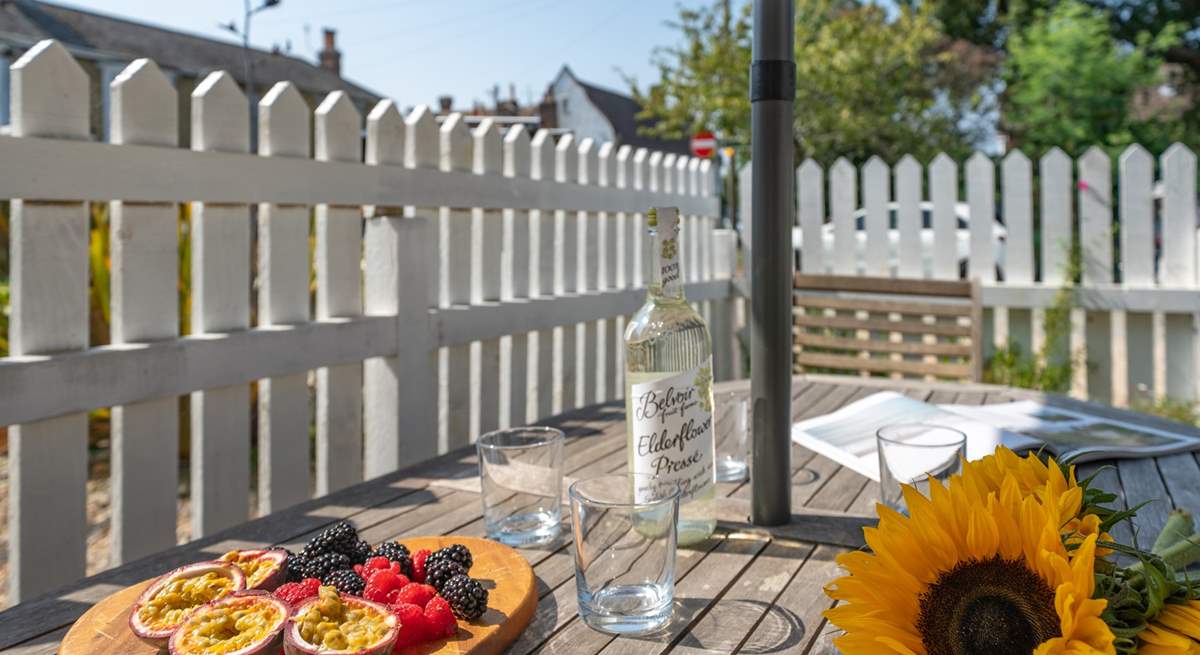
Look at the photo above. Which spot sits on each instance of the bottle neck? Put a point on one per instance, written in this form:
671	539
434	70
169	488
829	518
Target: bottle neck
665	275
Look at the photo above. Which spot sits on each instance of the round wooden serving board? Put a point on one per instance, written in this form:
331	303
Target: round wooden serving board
512	599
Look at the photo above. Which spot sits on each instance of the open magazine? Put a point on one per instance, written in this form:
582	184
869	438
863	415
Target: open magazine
847	436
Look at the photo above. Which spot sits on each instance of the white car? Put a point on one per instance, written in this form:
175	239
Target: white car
962	239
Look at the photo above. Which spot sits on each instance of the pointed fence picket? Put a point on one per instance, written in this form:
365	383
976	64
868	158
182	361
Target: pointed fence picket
339	295
283	271
48	278
144	245
220	417
1134	293
430	240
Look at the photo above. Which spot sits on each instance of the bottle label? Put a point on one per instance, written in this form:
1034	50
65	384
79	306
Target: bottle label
672	428
668	239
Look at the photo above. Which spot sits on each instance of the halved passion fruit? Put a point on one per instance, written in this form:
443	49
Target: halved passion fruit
332	624
242	623
264	569
168	600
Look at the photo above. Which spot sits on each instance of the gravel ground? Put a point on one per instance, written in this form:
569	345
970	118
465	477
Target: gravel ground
99	514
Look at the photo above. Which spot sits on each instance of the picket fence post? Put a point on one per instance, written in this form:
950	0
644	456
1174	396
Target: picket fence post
456	270
843	201
487	233
623	172
544	272
608	341
908	218
220	418
339	294
399	393
144	244
566	279
517	269
283	271
587	269
49	243
876	192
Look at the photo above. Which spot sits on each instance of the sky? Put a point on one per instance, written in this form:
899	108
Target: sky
416	50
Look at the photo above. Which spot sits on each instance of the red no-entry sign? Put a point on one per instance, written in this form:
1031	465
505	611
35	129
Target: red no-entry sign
704	144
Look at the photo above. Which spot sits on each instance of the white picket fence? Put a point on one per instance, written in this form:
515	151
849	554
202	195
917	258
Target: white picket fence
1136	319
464	281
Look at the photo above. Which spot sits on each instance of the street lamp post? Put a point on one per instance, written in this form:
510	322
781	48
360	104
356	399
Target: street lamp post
772	93
248	61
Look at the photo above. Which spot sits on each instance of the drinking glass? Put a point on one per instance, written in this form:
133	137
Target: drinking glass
520	471
912	453
733	438
624	528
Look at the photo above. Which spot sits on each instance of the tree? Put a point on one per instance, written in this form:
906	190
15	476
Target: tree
1070	84
866	84
992	22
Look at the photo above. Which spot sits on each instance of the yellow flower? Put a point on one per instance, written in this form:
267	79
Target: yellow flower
978	567
1175	631
1046	482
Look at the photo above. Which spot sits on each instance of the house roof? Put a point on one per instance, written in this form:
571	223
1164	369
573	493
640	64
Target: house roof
118	38
621	111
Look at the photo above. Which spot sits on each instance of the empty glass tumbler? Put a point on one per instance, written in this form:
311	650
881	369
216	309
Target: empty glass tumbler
624	551
912	453
733	437
521	472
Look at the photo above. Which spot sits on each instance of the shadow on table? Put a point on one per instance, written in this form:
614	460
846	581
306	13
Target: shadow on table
778	628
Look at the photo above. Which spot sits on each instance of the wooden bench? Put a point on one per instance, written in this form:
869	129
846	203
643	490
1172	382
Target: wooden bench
892	327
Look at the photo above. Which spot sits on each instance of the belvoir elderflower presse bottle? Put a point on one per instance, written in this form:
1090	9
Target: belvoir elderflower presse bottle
668	385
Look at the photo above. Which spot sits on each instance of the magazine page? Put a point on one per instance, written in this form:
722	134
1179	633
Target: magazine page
847	436
1076	435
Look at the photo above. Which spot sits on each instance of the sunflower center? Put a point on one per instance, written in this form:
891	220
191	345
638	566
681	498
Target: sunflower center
987	607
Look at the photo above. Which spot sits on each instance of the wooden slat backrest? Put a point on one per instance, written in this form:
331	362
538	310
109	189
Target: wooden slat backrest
891	326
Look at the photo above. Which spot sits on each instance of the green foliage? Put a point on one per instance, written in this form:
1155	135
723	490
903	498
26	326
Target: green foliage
1045	370
1169	408
866	83
1070	84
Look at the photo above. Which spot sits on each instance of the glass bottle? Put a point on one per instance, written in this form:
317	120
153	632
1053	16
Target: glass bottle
668	385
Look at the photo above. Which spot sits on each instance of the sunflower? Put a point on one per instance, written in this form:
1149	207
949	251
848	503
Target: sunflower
978	567
1175	631
1048	483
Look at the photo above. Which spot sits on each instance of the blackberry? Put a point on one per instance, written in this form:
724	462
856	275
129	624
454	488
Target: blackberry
457	553
321	565
341	538
467	597
437	573
296	566
360	552
396	552
346	581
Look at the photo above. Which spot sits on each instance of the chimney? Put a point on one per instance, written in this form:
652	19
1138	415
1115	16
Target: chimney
330	58
446	103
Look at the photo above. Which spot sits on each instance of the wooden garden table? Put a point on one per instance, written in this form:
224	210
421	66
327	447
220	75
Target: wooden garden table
745	590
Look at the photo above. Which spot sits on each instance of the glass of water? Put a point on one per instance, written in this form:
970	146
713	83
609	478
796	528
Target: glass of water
624	551
912	453
521	472
733	438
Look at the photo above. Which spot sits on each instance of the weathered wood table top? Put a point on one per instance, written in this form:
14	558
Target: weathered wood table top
743	591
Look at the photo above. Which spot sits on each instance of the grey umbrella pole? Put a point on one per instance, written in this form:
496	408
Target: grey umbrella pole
772	92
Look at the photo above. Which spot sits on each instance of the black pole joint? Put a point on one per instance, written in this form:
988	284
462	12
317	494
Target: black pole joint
772	79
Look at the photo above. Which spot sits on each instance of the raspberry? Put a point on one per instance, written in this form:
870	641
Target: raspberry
294	592
440	618
384	585
417	594
418	560
378	563
414	628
